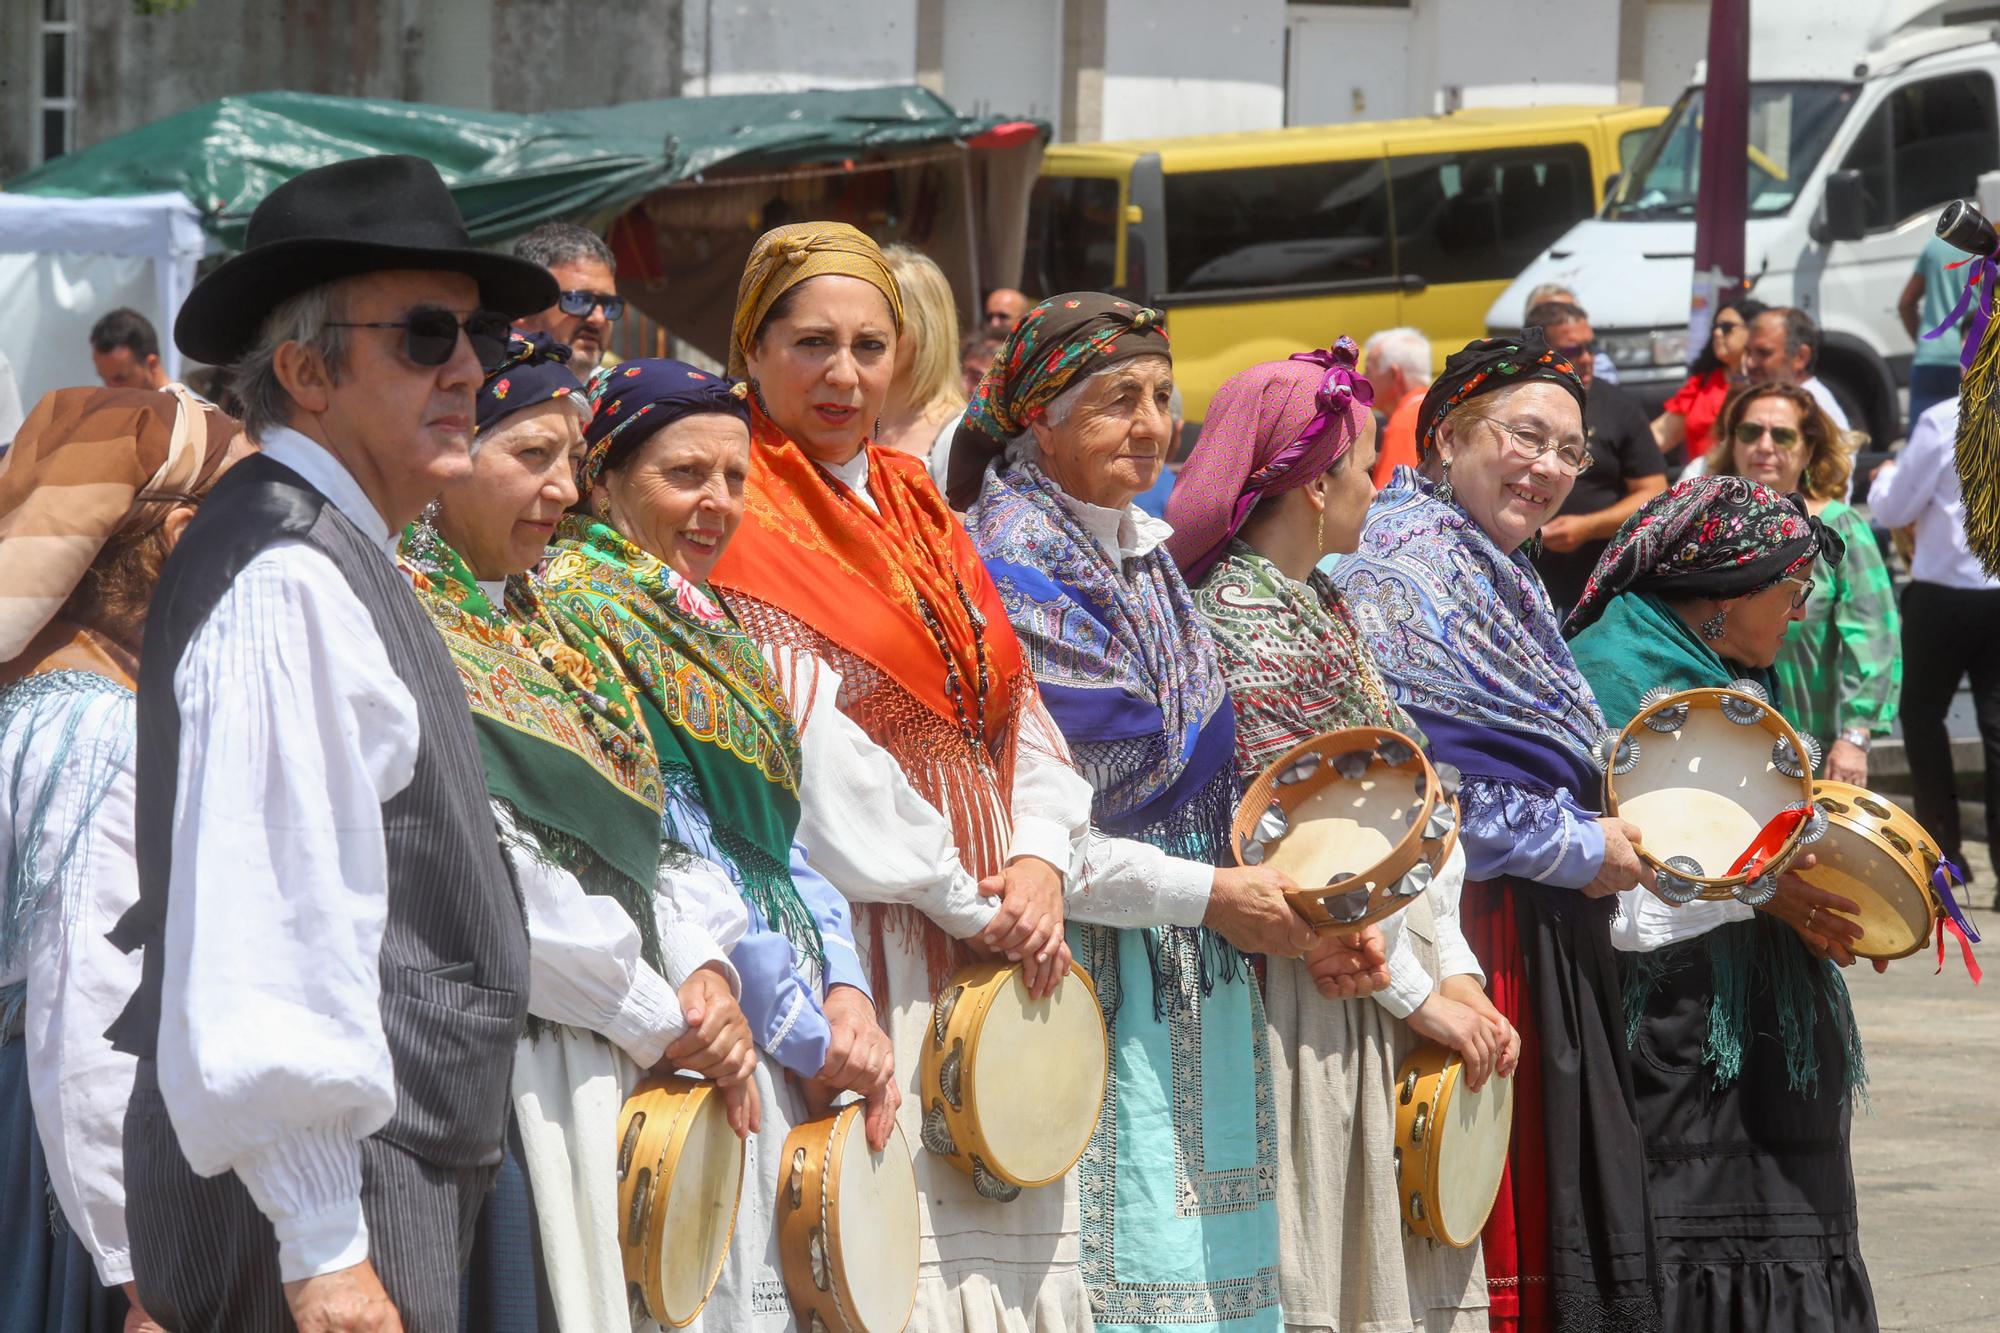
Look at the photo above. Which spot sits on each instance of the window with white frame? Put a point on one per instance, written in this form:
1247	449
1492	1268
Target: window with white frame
56	79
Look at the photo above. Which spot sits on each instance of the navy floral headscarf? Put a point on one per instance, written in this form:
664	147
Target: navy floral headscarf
656	392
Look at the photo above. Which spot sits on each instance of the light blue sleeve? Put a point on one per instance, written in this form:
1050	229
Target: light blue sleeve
1511	831
836	925
782	1006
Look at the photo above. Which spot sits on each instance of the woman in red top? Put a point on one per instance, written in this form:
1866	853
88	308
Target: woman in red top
1682	428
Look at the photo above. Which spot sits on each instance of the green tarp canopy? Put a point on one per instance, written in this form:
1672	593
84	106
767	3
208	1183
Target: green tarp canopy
507	171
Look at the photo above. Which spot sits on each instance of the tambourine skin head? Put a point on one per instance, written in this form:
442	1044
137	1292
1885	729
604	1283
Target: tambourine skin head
1011	1086
1702	773
1875	854
680	1182
848	1226
1358	819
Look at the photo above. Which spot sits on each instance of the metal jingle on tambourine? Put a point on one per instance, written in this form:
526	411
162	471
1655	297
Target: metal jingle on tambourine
1600	751
1815	825
1273	824
1449	778
1745	685
1743	712
1251	852
1354	765
1758	891
936	1133
1444	818
1394	753
1785	758
1299	769
1668	720
1815	752
1415	880
1347	906
1616	754
1673	885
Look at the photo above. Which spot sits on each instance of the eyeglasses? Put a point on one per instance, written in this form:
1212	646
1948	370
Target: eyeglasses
1749	432
1529	444
1806	587
1727	326
1583	351
430	335
581	303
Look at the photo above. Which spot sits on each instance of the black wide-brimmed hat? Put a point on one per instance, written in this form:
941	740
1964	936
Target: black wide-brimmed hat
340	221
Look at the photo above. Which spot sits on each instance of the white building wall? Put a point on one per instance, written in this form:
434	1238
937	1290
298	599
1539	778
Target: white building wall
1192	67
1004	59
1522	53
1350	64
762	46
1676	41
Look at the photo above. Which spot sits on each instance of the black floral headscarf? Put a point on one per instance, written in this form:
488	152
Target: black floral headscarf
1485	365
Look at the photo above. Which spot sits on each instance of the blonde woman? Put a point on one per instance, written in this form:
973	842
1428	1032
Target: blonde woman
1840	672
925	398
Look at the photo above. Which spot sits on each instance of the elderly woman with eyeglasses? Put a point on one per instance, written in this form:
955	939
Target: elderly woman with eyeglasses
1468	644
1744	1053
1840	670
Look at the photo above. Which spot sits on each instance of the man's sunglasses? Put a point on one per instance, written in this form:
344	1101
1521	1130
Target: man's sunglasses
580	303
430	335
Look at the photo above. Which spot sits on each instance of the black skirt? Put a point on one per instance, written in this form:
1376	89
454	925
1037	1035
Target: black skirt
1751	1183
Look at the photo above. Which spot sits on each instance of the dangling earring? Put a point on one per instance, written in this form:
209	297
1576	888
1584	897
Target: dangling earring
601	507
1711	629
878	429
1444	483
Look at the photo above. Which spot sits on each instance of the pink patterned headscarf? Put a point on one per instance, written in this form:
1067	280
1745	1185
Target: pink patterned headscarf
1270	429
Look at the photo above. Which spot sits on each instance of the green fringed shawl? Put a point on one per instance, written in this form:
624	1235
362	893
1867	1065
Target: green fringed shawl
712	703
1637	644
562	742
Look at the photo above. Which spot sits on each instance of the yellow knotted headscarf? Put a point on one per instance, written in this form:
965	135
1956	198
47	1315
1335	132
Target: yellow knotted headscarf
786	256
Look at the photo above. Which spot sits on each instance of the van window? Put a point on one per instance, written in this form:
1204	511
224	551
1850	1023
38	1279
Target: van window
1481	217
1253	227
1925	145
1072	235
1790	127
1630	144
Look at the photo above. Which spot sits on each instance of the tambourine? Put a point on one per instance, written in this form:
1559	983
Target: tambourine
1012	1086
1451	1145
848	1225
1720	786
1873	852
680	1177
1357	818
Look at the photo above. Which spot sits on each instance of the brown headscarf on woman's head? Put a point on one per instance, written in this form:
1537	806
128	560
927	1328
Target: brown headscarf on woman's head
786	256
90	466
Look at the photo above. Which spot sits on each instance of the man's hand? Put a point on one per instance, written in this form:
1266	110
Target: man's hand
348	1300
1349	967
1622	869
1565	532
1028	928
1847	762
859	1057
1247	906
136	1318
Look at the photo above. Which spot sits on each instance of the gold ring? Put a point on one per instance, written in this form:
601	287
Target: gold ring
1811	915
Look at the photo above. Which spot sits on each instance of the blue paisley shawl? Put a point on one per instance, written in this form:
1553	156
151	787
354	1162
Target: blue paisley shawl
1177	1188
1130	674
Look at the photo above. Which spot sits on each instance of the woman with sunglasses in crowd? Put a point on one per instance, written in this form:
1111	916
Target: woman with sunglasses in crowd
1743	1053
1684	428
1840	671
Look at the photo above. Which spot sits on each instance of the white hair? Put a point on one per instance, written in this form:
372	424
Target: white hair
308	319
1403	349
1550	291
481	438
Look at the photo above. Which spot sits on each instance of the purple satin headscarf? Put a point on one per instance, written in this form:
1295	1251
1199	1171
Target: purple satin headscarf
1270	429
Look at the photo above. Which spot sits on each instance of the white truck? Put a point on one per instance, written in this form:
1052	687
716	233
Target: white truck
1865	120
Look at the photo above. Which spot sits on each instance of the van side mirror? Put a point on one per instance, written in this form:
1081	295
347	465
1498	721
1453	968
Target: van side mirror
1844	212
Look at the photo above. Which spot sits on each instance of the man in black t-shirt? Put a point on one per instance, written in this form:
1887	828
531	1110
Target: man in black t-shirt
1625	471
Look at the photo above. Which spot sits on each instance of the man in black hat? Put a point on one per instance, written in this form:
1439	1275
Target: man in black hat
335	963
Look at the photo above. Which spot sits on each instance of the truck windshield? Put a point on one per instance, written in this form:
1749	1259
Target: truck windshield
1790	126
1073	234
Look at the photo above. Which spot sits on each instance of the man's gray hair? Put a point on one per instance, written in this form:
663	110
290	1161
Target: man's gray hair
310	319
1549	291
555	243
1403	349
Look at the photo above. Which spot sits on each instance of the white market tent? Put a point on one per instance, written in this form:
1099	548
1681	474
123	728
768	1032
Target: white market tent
65	262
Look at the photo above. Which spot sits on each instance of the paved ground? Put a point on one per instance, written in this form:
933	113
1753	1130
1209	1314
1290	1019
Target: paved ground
1926	1170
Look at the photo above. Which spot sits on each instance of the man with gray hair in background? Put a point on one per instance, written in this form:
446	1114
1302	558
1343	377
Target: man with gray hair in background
1397	363
587	302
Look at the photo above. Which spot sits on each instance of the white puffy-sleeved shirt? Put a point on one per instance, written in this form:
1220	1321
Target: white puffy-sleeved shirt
1110	881
1409	984
66	803
295	731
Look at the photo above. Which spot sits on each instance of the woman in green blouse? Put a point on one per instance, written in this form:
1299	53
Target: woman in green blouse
1840	672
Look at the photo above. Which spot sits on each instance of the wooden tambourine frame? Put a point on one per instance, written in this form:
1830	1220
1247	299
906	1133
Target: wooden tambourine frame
653	1130
1299	788
1850	811
1660	723
950	1091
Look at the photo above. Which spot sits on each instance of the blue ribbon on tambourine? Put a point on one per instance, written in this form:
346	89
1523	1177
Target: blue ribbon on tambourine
1954	918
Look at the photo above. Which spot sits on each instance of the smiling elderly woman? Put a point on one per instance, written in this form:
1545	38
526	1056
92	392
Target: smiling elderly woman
625	937
1131	675
1468	644
667	454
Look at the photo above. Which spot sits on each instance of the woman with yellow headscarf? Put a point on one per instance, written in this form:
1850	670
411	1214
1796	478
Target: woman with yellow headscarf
864	589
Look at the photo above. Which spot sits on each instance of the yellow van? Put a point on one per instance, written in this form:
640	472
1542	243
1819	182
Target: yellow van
1262	243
